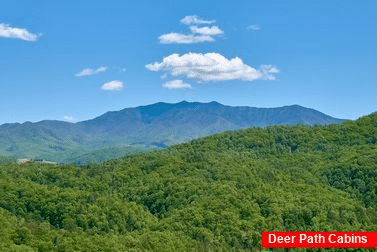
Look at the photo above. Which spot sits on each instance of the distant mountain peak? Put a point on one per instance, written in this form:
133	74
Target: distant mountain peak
215	103
145	127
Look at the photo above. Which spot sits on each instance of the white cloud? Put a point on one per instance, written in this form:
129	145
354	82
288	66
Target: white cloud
21	33
112	85
198	34
269	71
214	30
211	67
176	84
190	20
68	118
90	71
101	69
253	27
177	38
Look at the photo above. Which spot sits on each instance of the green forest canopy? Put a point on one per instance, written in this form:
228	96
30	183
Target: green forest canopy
212	194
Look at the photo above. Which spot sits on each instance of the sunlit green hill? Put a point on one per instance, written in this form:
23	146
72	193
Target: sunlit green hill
211	194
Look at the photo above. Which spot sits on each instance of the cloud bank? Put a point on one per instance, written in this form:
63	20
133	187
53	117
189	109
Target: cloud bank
176	84
90	71
211	67
6	31
114	85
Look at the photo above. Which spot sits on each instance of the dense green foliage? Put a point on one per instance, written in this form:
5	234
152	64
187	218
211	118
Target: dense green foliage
212	194
7	160
97	156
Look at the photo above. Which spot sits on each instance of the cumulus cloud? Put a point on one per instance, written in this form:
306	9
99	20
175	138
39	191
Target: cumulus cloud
212	31
191	20
211	67
176	84
253	27
177	38
20	33
112	85
68	118
90	71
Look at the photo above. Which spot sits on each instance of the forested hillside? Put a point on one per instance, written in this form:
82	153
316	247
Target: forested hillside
212	194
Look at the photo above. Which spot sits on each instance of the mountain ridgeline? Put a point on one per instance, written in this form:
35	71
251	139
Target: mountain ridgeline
142	128
216	193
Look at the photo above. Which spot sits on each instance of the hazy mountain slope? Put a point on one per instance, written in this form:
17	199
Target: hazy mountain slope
211	194
159	124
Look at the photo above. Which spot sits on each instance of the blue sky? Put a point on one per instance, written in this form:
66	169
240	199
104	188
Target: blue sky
74	60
